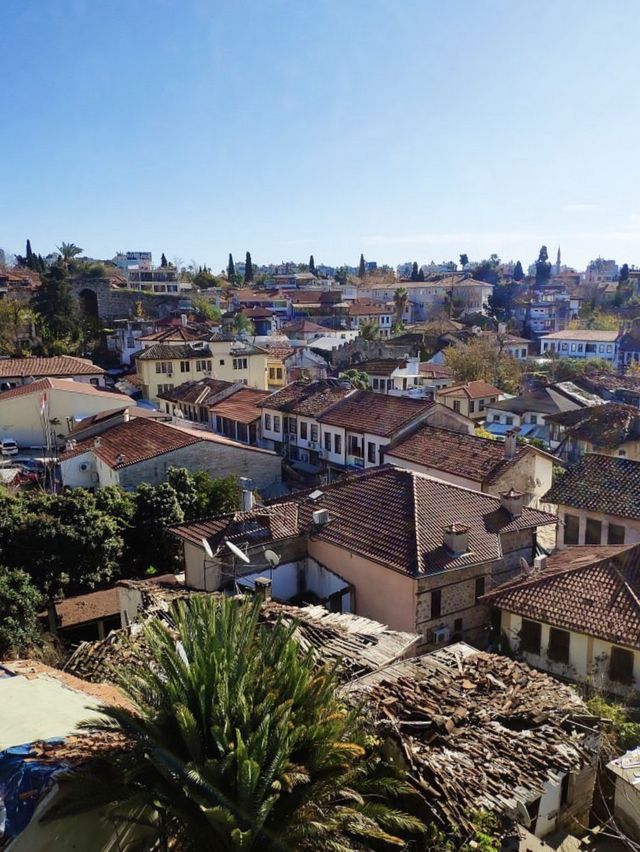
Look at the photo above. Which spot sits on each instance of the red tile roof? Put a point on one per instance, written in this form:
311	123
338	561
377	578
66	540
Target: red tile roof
267	523
242	406
196	392
63	385
395	517
381	366
479	459
471	390
375	413
600	484
592	590
365	309
307	399
60	365
81	609
141	439
608	425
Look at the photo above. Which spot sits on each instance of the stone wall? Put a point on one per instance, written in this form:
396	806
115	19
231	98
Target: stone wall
114	303
354	352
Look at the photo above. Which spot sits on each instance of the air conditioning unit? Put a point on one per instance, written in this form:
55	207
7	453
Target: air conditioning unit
323	454
84	467
440	635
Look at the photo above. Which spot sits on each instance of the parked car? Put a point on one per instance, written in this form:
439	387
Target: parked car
8	447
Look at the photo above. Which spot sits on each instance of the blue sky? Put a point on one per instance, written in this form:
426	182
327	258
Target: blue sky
405	130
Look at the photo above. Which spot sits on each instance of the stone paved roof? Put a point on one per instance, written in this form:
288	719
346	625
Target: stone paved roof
307	399
600	483
592	590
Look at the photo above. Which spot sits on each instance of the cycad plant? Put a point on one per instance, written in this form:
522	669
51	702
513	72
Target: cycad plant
237	741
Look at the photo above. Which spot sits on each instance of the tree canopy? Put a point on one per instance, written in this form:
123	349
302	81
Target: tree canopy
543	267
362	269
248	269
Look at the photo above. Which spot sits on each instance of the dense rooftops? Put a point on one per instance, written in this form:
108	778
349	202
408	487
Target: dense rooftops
375	413
307	399
60	365
607	425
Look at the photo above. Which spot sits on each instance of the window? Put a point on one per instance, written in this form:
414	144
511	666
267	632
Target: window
304	428
472	407
593	533
533	419
242	433
163	367
291	425
609	347
571	529
456	405
621	665
496	418
222	362
202	365
559	645
276	422
240	363
219	424
436	603
374	384
530	635
314	433
327	441
508	420
479	587
94	382
615	534
573	347
184	366
337	444
371	452
267	421
601	347
457	625
165	388
481	405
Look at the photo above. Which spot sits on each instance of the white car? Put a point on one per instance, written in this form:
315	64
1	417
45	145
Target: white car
8	447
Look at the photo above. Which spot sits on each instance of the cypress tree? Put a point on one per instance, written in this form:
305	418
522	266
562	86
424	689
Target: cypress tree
29	255
420	275
312	265
518	273
414	271
231	268
362	269
56	305
163	261
248	269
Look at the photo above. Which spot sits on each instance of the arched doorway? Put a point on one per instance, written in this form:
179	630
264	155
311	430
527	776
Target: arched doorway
88	300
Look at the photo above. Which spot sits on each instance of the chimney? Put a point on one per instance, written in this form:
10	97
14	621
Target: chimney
512	501
511	443
126	416
320	517
247	500
97	442
539	563
263	588
183	320
456	538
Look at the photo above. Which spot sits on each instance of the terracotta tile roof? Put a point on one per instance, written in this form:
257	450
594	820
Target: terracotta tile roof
381	366
307	399
395	517
179	333
376	413
60	365
593	590
63	385
197	392
608	425
81	609
435	371
600	483
479	459
304	327
141	439
264	524
257	313
583	334
361	308
471	390
242	406
172	352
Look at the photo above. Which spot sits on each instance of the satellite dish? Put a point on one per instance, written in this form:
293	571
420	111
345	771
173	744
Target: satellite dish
237	552
207	548
524	565
272	557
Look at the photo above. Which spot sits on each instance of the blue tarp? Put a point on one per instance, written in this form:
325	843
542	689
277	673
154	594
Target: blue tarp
23	778
502	429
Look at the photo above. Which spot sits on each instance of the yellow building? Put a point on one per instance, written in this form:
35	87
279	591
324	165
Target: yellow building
162	367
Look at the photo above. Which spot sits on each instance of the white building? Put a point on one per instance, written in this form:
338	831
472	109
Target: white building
578	343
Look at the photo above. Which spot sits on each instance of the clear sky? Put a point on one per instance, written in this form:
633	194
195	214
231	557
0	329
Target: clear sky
404	130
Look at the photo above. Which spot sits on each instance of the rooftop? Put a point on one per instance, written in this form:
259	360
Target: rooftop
82	609
307	399
141	439
67	385
60	365
178	333
479	732
600	483
197	392
241	406
471	390
479	459
592	590
172	352
608	425
585	335
375	413
381	366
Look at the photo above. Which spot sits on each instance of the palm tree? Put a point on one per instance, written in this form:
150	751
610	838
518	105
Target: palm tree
400	303
369	330
238	741
69	251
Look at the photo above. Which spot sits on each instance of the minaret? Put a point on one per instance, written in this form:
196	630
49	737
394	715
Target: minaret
558	261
